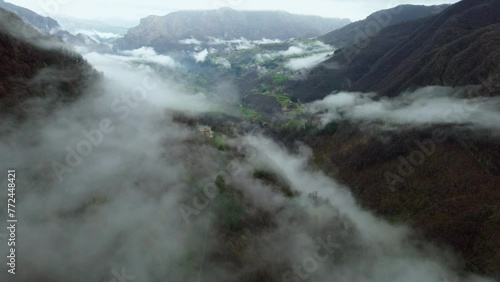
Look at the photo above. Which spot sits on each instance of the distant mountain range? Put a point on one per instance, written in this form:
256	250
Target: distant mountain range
459	46
163	31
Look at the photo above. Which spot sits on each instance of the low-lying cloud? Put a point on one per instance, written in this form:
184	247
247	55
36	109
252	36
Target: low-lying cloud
429	105
148	55
201	56
306	62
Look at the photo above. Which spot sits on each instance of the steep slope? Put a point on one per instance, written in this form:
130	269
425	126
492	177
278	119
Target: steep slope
48	25
346	35
453	197
36	66
456	47
225	23
44	24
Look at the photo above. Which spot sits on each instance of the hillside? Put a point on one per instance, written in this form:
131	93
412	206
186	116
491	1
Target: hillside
216	153
44	24
452	199
225	24
347	35
439	50
36	66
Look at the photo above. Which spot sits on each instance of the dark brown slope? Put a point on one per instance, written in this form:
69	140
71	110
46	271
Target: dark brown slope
346	35
33	67
459	46
45	24
452	198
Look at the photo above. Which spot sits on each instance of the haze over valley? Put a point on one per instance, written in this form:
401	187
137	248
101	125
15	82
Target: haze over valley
242	142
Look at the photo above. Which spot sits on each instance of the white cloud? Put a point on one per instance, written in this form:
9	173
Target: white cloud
190	41
94	33
428	105
201	56
306	62
293	50
148	55
267	41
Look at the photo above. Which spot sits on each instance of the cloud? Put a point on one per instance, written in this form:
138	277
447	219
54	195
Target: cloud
96	35
118	205
190	41
428	105
201	56
120	189
306	62
293	50
148	55
365	246
264	41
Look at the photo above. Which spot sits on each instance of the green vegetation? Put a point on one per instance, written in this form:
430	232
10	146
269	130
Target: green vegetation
295	123
247	113
228	208
279	78
219	141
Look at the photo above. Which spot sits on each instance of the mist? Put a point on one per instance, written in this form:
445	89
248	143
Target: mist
109	183
86	190
424	106
307	62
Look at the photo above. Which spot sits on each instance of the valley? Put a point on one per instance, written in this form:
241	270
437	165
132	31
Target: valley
227	145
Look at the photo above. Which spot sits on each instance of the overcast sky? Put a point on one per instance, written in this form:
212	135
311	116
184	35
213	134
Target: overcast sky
132	11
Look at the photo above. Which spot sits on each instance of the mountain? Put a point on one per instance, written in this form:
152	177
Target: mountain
346	35
48	25
36	65
438	50
453	198
226	24
44	24
91	43
200	190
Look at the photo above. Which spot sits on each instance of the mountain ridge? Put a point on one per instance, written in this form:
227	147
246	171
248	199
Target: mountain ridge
414	54
346	35
45	24
36	65
158	31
